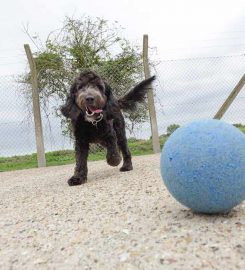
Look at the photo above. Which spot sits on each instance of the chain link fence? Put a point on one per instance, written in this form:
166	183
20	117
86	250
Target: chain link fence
185	90
16	116
17	124
192	89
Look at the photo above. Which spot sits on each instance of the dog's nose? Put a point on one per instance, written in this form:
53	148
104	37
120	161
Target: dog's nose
90	99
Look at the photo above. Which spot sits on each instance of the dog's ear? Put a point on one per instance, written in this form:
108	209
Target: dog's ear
70	109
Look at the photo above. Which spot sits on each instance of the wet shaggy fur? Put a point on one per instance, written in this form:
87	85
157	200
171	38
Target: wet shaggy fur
96	117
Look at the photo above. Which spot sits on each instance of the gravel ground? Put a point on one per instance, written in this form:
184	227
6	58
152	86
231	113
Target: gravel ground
115	221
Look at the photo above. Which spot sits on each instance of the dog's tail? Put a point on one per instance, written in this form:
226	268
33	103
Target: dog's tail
137	94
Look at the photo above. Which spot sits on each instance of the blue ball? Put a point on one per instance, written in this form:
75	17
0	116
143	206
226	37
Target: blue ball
203	166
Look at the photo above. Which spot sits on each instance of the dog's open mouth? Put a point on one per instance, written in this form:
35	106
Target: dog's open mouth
90	110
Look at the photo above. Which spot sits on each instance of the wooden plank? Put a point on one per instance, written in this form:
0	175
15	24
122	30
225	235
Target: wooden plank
230	98
150	96
36	109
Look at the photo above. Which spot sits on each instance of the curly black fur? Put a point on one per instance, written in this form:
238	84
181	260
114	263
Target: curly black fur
110	131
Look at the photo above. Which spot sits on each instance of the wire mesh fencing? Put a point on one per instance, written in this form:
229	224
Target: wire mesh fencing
192	89
17	125
185	90
16	137
16	116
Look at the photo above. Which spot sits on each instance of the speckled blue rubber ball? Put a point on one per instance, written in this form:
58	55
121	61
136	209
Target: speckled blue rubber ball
203	166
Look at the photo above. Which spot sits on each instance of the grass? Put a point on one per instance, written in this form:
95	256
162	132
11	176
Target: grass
242	129
137	147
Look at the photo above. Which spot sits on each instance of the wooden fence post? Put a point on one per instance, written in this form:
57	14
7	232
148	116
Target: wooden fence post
150	96
230	98
36	109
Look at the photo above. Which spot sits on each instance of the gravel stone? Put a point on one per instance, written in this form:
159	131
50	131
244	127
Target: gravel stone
115	221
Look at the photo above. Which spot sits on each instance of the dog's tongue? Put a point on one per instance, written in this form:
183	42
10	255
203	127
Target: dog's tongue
97	111
94	110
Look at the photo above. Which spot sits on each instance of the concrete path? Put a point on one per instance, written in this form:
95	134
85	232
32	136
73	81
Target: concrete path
115	221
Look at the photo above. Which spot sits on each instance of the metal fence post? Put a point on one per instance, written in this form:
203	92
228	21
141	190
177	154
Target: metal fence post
36	109
150	96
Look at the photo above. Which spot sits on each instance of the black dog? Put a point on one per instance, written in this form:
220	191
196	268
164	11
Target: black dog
96	117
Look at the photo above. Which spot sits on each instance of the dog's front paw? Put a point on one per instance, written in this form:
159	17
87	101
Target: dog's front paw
113	159
75	181
127	166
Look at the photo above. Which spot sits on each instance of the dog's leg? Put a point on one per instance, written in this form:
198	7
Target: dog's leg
127	160
81	169
113	156
119	126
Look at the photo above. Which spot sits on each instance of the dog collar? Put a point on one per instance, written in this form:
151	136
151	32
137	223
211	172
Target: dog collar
94	122
97	120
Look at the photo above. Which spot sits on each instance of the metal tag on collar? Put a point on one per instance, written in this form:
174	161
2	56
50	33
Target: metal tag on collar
94	123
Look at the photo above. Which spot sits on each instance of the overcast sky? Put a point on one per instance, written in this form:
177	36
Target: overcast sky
177	28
